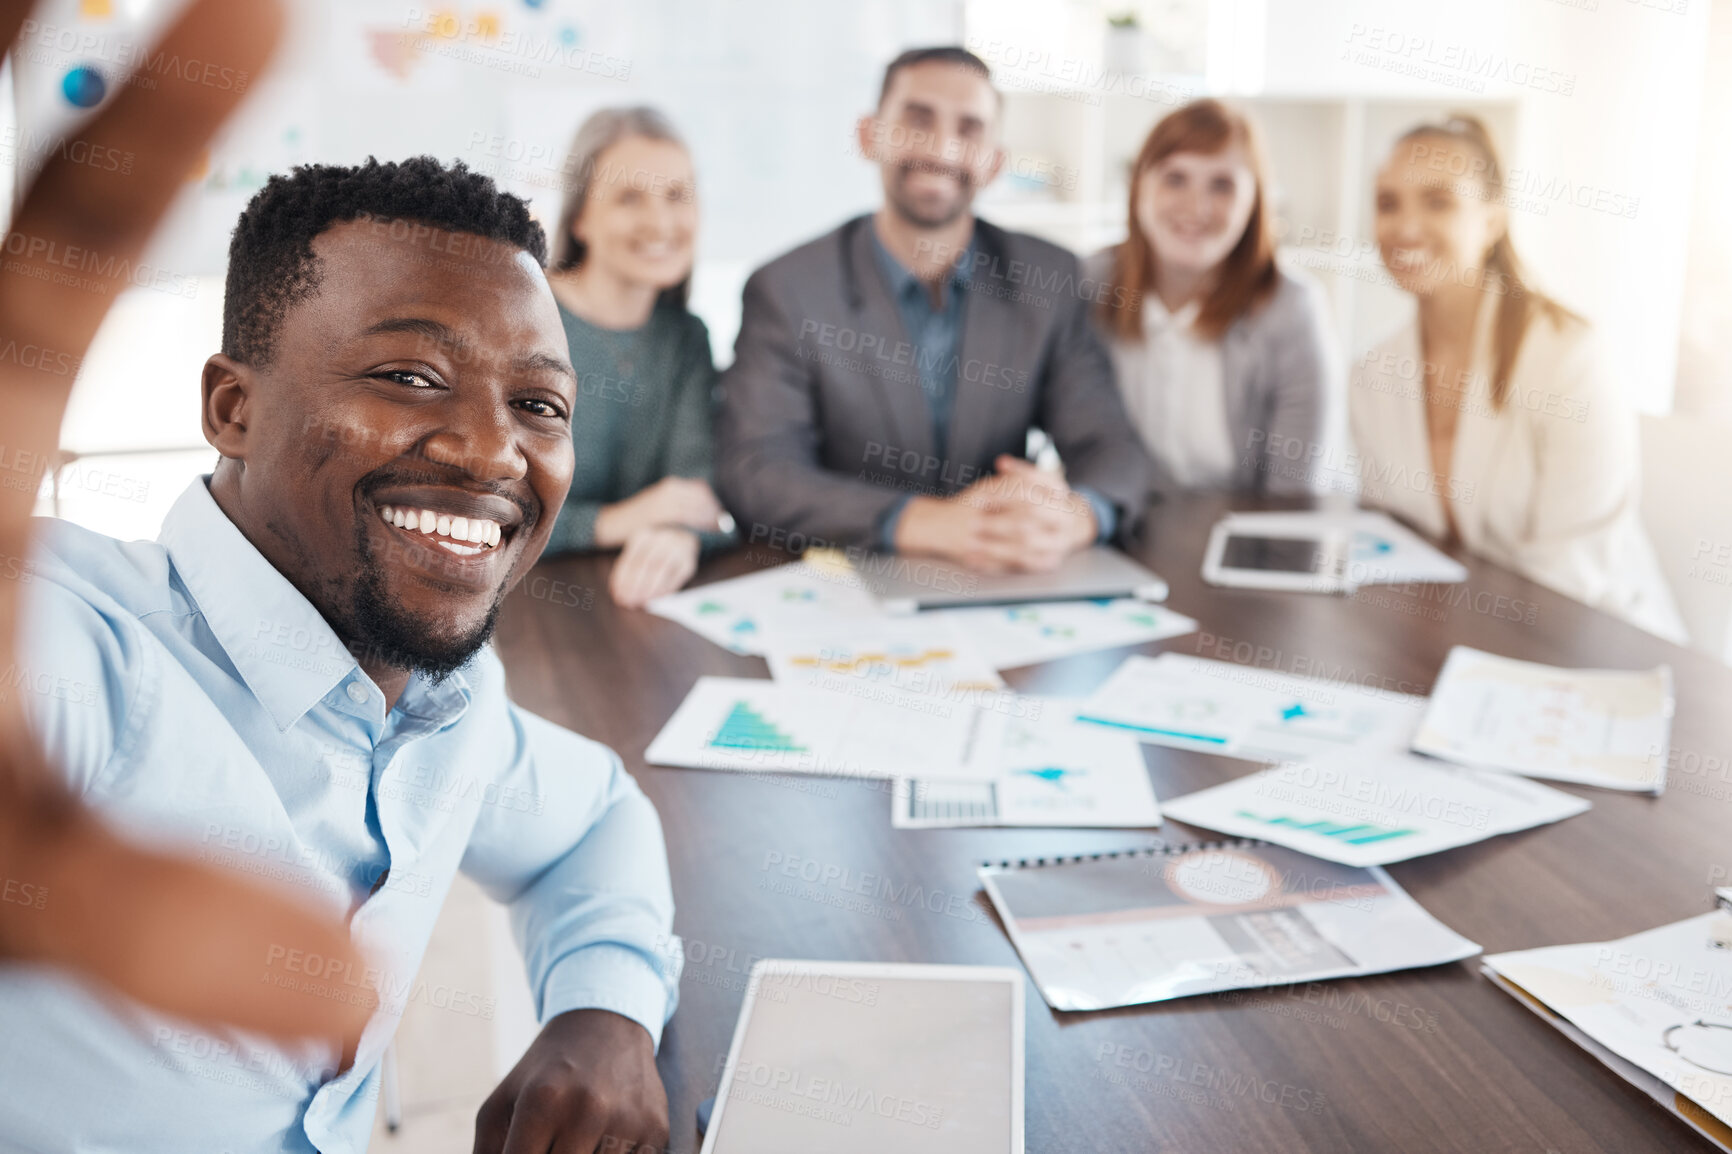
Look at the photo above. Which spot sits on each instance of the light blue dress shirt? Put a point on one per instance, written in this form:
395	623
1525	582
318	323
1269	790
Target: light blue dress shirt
198	701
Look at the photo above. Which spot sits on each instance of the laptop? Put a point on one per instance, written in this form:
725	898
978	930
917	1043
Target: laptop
910	584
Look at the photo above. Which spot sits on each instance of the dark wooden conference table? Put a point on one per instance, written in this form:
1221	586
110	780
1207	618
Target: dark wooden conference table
1434	1059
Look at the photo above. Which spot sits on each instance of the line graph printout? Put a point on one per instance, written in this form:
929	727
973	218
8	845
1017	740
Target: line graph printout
1242	711
744	723
1374	808
1604	727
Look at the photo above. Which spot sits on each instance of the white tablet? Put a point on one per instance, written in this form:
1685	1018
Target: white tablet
863	1058
1303	559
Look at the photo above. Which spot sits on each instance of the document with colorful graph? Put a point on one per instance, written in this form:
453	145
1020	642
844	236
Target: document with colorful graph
915	655
745	723
742	614
1147	925
1367	808
1008	636
1036	767
1604	727
1243	711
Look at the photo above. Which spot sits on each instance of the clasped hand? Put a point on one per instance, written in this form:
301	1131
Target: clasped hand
1020	519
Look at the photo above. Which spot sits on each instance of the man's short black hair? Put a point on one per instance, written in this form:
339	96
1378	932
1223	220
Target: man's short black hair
943	54
271	261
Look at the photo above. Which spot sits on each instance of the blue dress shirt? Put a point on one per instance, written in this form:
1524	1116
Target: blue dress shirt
199	702
935	332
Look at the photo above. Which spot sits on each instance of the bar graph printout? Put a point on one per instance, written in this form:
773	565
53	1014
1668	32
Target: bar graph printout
744	723
1374	808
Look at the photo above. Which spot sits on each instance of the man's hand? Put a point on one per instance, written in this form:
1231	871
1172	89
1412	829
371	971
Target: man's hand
1020	519
185	938
588	1082
670	501
654	561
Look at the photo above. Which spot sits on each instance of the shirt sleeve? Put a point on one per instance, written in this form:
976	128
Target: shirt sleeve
1303	373
575	850
691	447
574	531
79	669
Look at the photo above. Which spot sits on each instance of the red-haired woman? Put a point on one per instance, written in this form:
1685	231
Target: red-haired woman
1488	419
1222	356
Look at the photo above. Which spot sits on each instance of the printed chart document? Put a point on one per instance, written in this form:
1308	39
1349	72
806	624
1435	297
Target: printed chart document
1104	930
1384	551
1039	769
921	655
1242	711
1009	636
743	613
1373	808
1604	727
748	723
1655	1007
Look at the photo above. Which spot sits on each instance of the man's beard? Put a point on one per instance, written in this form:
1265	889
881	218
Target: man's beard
377	632
914	215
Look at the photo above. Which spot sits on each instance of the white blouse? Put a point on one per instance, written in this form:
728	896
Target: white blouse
1174	387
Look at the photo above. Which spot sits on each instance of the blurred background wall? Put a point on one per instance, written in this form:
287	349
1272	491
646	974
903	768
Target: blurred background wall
1614	128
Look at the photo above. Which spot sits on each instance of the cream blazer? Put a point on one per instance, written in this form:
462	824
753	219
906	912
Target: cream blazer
1547	486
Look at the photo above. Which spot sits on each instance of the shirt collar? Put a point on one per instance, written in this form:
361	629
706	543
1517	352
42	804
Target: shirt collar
902	279
1157	317
282	646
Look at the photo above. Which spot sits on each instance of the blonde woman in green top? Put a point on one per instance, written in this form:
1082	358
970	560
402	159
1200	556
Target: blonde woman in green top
622	262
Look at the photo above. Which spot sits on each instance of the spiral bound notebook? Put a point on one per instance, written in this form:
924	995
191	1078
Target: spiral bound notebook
1160	922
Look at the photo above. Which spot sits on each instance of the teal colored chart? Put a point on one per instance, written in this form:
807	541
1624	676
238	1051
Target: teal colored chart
1358	833
746	728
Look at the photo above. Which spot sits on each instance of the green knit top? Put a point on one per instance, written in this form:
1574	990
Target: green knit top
643	412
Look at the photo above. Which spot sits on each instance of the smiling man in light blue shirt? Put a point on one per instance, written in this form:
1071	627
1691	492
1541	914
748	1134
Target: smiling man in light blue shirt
293	682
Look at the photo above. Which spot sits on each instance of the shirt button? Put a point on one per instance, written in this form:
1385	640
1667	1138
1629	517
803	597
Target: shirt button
357	693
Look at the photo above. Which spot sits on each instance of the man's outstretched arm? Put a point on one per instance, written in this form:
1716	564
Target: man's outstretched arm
181	937
576	850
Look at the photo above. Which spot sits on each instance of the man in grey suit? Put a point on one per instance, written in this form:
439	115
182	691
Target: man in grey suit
887	374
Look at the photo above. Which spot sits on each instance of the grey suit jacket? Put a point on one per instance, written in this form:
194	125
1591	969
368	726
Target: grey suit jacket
823	425
1281	378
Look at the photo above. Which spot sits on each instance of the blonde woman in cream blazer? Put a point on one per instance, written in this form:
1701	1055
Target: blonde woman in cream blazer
1547	486
1546	482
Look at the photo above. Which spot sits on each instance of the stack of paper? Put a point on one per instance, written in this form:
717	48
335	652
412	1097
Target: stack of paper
1122	929
1603	727
1374	807
1242	711
1655	1007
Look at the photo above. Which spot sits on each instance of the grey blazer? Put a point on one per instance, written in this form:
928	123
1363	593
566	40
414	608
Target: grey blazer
823	425
1281	378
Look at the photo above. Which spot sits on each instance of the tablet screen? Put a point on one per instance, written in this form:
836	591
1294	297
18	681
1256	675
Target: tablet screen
870	1063
1273	554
